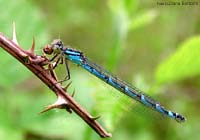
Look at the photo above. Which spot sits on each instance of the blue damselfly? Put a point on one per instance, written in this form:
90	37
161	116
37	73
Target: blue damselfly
62	54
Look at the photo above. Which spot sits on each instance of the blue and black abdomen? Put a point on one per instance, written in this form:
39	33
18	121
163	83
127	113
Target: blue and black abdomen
128	90
78	58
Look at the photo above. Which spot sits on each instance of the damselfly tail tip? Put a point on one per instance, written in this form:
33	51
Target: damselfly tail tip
179	118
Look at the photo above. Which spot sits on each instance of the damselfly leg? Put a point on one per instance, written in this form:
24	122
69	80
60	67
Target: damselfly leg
58	58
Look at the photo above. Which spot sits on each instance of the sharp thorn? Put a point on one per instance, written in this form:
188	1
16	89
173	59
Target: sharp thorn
67	86
60	103
14	39
73	93
48	108
95	118
59	106
31	50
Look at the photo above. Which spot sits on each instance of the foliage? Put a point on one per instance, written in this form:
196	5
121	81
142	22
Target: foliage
183	64
125	19
129	37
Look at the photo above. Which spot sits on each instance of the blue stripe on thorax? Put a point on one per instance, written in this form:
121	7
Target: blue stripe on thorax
73	55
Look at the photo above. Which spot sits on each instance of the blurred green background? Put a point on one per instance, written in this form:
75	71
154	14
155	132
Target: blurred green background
155	48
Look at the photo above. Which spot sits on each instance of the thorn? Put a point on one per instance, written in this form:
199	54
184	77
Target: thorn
95	118
73	93
67	86
60	103
14	34
48	108
31	50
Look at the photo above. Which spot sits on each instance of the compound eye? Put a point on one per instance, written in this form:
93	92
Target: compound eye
47	50
59	43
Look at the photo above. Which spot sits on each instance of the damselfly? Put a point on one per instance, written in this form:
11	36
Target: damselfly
63	54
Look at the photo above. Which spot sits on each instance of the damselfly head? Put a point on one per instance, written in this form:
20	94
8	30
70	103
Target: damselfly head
55	47
57	44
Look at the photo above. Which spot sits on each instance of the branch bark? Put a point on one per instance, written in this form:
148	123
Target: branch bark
36	64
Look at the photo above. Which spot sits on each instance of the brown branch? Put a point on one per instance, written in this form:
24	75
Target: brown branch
35	64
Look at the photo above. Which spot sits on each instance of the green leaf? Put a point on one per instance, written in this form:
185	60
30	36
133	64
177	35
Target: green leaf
142	19
29	22
184	63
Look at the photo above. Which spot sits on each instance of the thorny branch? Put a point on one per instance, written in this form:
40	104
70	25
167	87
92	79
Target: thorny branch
36	64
